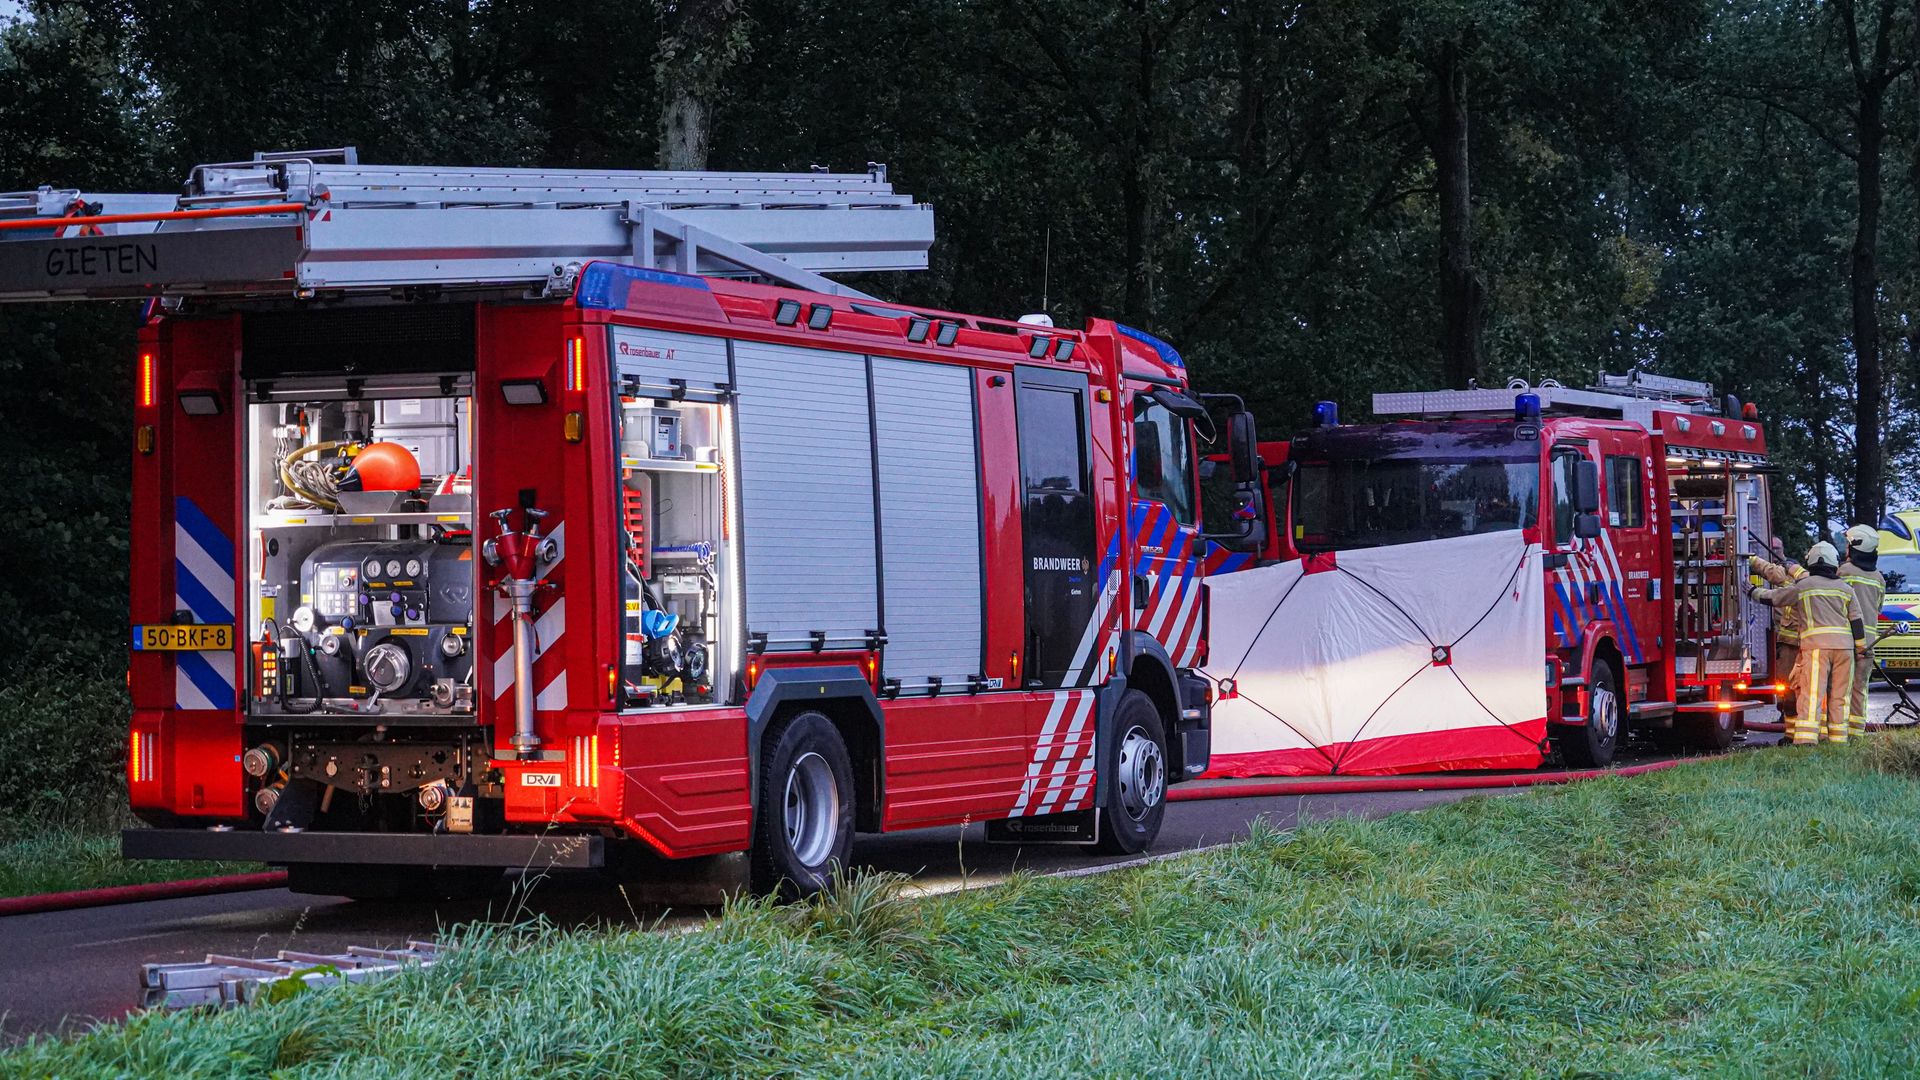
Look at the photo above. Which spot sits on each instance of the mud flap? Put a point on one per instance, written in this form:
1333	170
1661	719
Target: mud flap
1077	827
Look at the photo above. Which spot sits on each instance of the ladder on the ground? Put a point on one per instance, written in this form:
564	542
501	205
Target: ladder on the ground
311	224
239	980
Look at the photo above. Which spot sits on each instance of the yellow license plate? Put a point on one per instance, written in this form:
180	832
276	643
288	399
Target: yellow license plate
195	638
1901	661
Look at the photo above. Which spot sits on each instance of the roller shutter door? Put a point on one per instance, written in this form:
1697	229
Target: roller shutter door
929	521
806	465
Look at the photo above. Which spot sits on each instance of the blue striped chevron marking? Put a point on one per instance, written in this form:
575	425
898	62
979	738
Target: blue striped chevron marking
203	565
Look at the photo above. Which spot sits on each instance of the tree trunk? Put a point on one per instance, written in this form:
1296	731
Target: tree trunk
1869	481
1462	298
683	129
700	42
1822	508
1138	187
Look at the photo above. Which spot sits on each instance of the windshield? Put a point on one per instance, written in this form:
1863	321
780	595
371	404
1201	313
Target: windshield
1367	503
1902	573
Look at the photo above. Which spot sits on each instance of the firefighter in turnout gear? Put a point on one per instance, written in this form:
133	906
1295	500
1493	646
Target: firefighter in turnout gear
1786	627
1861	572
1831	631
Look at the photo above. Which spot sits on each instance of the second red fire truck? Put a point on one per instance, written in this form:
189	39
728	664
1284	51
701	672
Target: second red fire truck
1645	493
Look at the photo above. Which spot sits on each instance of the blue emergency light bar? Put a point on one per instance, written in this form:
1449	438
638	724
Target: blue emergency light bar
1326	414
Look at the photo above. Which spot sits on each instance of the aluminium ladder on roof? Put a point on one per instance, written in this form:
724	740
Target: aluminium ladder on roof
318	222
1634	397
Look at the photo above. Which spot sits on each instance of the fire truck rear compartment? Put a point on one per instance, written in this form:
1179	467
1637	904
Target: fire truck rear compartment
362	581
361	708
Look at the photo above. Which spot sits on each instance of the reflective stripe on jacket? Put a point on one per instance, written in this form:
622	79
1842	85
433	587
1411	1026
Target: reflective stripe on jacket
1869	591
1826	607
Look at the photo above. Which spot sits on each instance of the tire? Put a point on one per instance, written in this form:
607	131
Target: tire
1591	745
1135	763
803	812
393	882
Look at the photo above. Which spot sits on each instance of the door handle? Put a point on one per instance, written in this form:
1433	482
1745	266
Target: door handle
1140	590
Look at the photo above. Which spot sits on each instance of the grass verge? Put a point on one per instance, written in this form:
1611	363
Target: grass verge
62	858
1753	916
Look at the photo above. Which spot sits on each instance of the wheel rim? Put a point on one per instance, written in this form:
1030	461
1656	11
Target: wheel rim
1142	775
1606	714
812	808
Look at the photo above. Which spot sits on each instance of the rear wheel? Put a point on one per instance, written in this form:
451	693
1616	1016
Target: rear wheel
1591	746
1136	769
803	814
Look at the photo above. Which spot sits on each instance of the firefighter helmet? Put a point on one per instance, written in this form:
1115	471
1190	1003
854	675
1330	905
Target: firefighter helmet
1864	539
1822	554
382	466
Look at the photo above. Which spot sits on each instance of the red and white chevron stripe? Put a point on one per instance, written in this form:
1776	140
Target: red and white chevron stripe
1060	775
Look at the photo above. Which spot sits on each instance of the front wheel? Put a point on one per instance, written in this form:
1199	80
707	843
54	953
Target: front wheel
1136	768
803	813
1591	746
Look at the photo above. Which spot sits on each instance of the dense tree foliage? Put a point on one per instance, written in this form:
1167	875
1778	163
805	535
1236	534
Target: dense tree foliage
1313	198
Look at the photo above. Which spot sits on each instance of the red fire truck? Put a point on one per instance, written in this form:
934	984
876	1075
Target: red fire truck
489	518
1645	493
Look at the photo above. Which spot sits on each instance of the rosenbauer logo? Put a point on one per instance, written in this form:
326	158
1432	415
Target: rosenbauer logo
1070	564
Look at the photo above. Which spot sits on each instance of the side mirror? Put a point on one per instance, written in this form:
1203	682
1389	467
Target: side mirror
1586	487
1243	448
1249	519
1586	526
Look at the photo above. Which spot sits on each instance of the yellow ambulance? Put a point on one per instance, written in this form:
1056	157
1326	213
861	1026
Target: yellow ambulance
1899	629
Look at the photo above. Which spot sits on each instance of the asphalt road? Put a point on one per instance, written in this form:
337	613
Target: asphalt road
60	971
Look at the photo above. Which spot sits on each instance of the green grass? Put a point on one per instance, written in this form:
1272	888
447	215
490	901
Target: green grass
1753	916
59	858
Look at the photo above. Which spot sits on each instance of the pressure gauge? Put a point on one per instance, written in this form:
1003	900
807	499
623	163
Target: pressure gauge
393	568
373	568
304	619
413	567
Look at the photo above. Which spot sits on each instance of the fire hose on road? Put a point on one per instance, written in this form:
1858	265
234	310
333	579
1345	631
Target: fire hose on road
1426	782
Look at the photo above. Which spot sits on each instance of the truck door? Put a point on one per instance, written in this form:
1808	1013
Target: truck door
1166	586
1627	540
1573	606
1056	525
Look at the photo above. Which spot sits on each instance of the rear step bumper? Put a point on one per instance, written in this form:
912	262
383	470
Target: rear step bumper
366	848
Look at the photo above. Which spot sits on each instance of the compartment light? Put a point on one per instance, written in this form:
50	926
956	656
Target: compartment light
819	317
1063	349
948	334
917	329
1037	347
524	391
199	402
786	312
